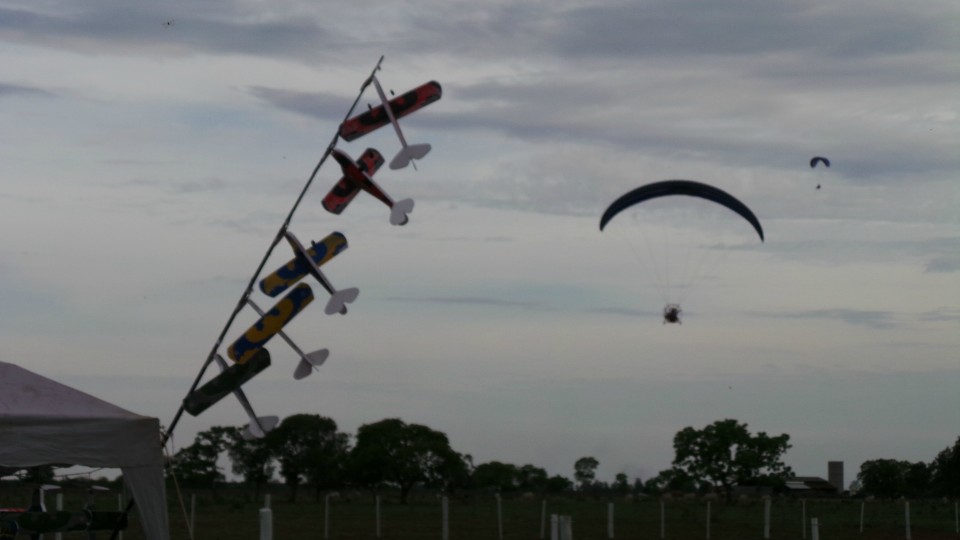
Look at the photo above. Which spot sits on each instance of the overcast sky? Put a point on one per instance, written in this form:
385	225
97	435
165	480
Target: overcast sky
149	153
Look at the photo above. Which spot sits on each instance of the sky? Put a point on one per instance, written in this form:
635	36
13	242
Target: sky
150	152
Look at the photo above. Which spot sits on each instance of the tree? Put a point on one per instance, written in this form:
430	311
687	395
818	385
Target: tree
393	452
310	450
670	480
621	484
251	459
945	471
889	478
558	484
497	475
724	454
884	478
917	480
531	478
585	470
196	465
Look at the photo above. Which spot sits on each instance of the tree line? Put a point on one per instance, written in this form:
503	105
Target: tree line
308	451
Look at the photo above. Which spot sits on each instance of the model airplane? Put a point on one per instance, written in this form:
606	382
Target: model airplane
230	379
308	361
304	257
292	272
389	112
268	325
356	176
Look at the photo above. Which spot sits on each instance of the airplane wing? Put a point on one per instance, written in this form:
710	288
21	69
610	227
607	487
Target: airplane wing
292	272
349	185
402	105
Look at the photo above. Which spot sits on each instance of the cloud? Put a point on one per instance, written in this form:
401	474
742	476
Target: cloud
878	320
944	263
944	314
628	312
309	104
475	301
8	89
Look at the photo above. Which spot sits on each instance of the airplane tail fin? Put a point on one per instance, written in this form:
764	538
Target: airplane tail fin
339	300
257	429
407	153
399	211
309	361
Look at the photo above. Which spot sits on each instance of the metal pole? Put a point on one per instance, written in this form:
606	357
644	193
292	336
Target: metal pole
445	533
543	518
120	508
193	513
663	525
906	518
59	536
803	517
266	524
708	520
610	520
766	518
499	518
326	516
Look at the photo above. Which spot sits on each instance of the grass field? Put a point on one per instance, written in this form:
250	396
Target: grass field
233	515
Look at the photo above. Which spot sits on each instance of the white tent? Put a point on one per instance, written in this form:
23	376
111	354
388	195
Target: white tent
43	422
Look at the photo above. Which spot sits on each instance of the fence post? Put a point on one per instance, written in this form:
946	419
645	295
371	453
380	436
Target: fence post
445	510
663	524
499	518
766	517
266	524
193	515
863	505
956	516
906	518
610	520
377	500
554	527
708	520
814	529
58	536
803	517
543	518
566	528
326	516
120	508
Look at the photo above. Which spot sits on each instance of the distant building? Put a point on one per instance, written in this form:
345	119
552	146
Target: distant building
835	474
811	486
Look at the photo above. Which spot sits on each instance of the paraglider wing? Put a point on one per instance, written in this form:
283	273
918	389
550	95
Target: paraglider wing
680	187
819	159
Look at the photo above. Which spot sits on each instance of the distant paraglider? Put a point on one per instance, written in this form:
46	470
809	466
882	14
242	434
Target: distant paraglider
815	160
672	310
680	187
818	160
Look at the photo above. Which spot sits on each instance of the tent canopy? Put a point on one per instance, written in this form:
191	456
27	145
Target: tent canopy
44	422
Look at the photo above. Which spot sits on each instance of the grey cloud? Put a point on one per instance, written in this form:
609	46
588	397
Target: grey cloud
878	320
474	300
626	311
142	29
945	263
8	89
688	27
945	314
312	105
